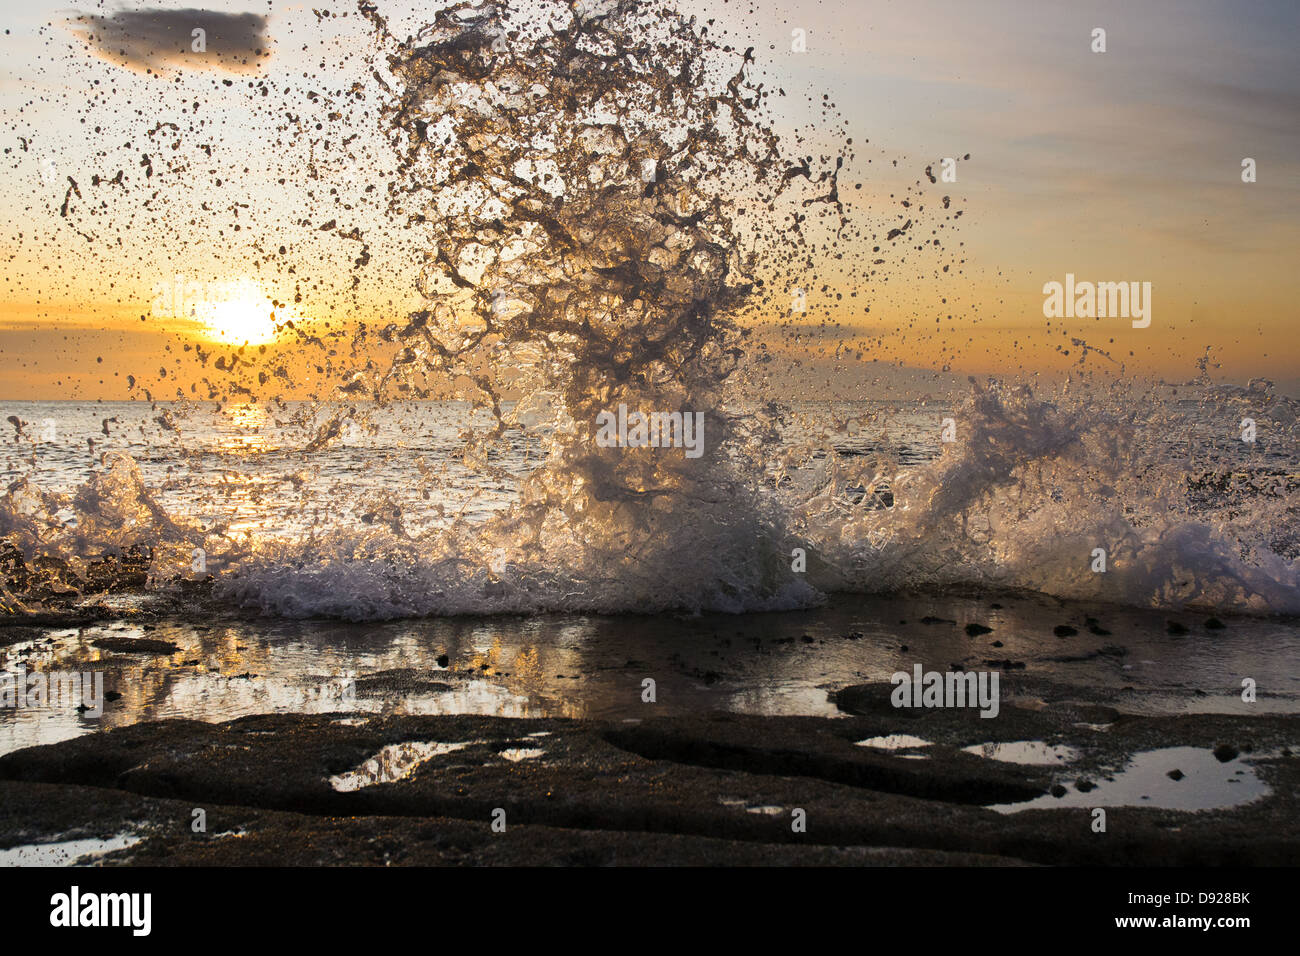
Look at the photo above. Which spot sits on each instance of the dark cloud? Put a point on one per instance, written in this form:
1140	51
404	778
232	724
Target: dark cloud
163	41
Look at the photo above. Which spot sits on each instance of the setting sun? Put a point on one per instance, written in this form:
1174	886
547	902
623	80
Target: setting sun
243	316
237	312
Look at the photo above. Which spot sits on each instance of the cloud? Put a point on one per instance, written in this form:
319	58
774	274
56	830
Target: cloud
162	41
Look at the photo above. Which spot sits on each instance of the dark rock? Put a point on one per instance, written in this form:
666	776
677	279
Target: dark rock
135	645
1225	752
1064	630
269	777
975	630
1110	650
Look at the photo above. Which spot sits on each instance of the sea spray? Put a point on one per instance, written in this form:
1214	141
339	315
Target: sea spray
593	209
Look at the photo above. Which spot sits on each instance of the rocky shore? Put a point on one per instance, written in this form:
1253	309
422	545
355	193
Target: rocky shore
715	789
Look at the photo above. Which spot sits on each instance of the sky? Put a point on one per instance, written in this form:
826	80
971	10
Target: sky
1115	166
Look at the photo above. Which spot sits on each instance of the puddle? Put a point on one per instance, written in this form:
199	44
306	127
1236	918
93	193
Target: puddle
1206	784
1032	752
893	742
65	852
767	810
517	754
394	762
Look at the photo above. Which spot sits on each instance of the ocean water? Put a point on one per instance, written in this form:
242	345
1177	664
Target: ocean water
595	205
387	518
605	212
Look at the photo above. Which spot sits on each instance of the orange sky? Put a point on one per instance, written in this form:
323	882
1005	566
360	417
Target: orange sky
1115	166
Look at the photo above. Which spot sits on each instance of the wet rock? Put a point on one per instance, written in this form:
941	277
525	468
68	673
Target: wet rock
268	777
1110	650
135	645
1225	752
402	681
128	571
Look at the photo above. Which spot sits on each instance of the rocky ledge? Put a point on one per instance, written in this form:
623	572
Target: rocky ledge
720	789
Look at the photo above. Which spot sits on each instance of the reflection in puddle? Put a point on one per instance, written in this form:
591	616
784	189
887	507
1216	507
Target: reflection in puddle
1033	752
564	666
1203	783
517	754
65	852
394	762
893	742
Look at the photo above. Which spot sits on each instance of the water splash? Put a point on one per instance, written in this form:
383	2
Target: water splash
602	214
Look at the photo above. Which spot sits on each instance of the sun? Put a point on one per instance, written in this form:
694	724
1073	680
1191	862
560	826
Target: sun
241	314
